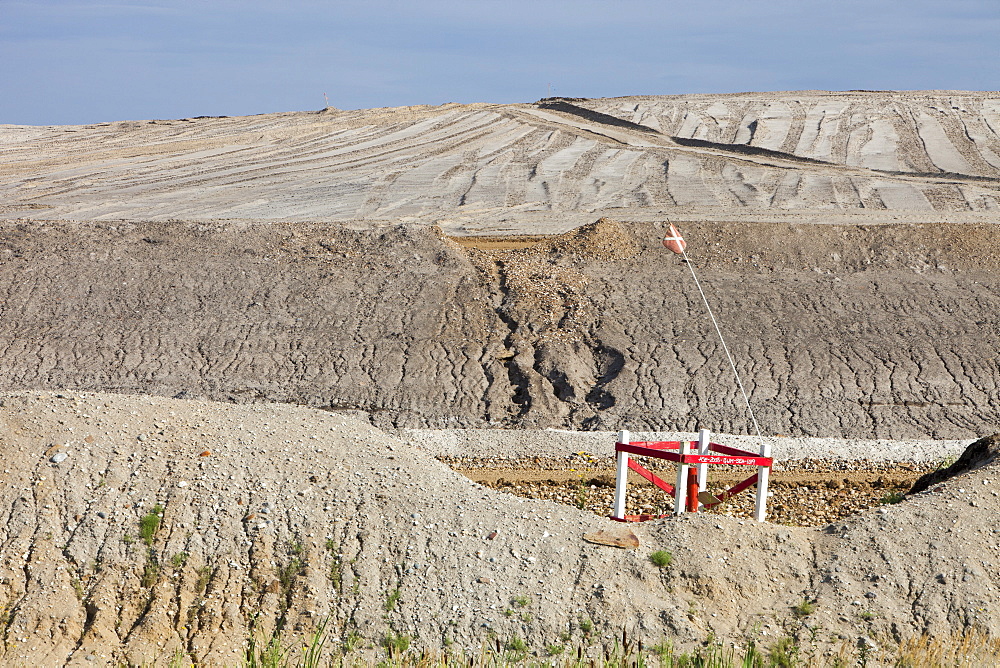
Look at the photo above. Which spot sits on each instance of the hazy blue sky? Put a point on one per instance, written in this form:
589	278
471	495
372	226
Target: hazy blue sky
66	61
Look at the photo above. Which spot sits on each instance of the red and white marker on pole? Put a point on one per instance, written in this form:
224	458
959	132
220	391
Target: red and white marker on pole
674	241
689	492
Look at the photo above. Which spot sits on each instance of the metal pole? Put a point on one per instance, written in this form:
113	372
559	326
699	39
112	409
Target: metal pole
680	491
621	478
762	475
704	437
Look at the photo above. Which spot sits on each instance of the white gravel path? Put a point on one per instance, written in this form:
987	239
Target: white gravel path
559	442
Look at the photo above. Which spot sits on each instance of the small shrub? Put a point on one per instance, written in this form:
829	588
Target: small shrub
150	523
804	608
784	653
392	599
586	625
396	643
521	601
517	649
351	641
179	559
892	498
661	558
150	572
204	575
555	650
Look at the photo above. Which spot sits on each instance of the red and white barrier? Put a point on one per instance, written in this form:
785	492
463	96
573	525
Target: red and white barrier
688	492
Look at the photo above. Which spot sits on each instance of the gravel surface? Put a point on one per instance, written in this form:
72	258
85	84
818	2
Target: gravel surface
280	516
522	443
803	492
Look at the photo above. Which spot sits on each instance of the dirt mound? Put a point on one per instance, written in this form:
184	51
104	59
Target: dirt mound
138	529
981	453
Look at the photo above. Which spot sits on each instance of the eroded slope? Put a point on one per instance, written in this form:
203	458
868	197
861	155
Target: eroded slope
885	331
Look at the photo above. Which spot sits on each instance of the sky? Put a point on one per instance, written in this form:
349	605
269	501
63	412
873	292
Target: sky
78	61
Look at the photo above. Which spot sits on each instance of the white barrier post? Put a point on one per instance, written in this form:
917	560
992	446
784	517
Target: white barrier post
704	437
680	492
621	478
762	475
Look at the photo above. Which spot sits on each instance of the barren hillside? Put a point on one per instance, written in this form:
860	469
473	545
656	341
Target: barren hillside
488	168
852	332
338	279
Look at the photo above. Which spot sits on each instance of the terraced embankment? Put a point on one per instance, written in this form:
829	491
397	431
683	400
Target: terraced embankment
854	332
487	168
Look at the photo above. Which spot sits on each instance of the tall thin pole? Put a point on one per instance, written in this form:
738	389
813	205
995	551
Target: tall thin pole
725	348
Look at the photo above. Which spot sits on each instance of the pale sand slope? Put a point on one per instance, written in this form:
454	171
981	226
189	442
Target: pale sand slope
543	167
366	515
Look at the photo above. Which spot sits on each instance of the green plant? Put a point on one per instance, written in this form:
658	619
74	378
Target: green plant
128	539
867	615
271	655
516	649
296	548
77	588
396	643
150	523
581	495
521	601
351	641
287	575
204	575
527	617
336	574
783	653
313	652
179	659
392	599
331	545
945	462
508	612
586	625
179	559
555	650
150	571
661	558
893	497
804	608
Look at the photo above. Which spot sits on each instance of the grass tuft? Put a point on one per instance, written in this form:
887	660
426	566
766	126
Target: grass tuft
661	558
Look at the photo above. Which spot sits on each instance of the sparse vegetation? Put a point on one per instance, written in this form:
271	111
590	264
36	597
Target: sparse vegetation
586	626
392	599
179	559
970	649
893	497
396	643
521	601
661	558
804	608
150	571
150	524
